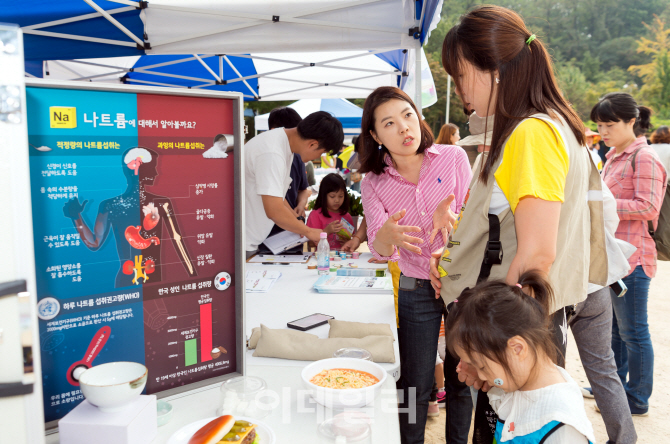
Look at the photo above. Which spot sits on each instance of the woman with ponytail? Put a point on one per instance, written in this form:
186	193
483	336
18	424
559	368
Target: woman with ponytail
525	207
638	180
502	333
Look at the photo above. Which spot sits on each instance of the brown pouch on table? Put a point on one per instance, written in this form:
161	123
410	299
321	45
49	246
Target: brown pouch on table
256	335
346	329
290	344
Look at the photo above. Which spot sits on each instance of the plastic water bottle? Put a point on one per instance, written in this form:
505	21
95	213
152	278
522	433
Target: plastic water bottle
323	254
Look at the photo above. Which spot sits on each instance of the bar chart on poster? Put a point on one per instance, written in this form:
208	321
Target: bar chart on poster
134	225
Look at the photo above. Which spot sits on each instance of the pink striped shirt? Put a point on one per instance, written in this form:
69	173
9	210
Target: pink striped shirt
638	195
445	170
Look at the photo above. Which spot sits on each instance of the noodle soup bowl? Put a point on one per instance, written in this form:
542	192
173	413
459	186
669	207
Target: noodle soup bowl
346	397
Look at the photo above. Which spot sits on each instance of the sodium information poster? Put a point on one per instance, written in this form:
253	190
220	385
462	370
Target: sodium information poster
134	224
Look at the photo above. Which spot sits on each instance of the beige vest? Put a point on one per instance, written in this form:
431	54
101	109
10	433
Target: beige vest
580	254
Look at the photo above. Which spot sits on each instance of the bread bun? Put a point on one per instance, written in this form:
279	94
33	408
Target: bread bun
213	431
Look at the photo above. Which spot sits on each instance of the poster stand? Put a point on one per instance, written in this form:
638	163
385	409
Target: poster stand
131	190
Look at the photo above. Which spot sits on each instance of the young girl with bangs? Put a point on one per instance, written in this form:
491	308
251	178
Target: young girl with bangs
502	333
330	208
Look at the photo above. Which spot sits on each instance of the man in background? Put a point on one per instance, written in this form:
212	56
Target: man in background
268	159
298	192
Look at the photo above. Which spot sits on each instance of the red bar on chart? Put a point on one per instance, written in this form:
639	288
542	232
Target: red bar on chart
205	332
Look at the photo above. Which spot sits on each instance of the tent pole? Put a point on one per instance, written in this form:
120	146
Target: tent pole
240	76
448	97
207	67
221	67
67	68
80	38
74	19
115	22
417	78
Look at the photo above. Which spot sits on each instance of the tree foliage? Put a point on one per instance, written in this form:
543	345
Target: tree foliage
598	46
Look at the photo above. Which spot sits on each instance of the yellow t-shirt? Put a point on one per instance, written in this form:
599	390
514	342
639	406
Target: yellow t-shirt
535	163
345	155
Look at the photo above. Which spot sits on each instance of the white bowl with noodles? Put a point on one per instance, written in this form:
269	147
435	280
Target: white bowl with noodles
345	397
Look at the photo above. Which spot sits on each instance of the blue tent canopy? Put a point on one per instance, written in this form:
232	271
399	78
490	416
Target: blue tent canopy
43	45
191	71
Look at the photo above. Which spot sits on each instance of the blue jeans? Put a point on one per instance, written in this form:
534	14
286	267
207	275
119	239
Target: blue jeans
419	316
631	341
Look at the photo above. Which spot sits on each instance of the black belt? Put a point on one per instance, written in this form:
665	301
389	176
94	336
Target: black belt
415	282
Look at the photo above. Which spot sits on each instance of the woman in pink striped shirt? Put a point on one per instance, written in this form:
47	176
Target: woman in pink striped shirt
637	179
408	178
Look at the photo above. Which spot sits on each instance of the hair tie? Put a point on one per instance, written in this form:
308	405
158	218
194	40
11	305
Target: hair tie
519	285
530	39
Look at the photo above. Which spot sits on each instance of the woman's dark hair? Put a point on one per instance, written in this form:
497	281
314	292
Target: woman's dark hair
446	136
357	141
493	38
372	158
354	140
325	129
485	317
621	107
283	117
661	135
331	182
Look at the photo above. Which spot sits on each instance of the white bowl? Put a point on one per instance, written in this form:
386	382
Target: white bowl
111	387
343	398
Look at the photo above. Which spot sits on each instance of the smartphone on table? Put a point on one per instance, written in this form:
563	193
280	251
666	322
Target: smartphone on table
309	322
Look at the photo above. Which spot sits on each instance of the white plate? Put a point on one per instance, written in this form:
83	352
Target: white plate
182	435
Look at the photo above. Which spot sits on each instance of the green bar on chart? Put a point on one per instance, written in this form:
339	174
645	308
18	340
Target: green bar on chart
191	352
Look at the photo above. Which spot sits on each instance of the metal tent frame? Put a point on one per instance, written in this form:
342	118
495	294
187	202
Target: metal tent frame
352	74
302	16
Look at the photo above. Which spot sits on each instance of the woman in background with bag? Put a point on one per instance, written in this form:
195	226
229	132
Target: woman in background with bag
638	180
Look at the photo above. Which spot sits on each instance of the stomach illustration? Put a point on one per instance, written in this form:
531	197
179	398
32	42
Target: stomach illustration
136	240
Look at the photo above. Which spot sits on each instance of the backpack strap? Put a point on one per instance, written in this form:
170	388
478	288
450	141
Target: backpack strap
493	255
650	224
551	432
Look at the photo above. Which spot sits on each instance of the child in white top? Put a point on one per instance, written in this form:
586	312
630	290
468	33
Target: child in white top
501	333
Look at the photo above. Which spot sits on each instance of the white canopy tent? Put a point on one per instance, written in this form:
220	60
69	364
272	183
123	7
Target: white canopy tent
248	26
240	26
101	28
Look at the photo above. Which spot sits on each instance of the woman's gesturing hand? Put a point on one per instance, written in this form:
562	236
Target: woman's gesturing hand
391	233
443	219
